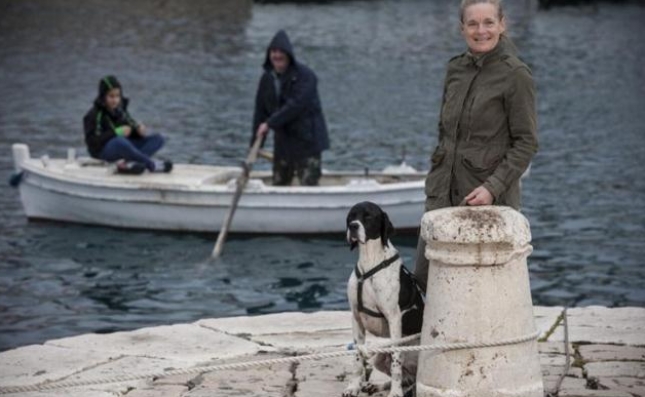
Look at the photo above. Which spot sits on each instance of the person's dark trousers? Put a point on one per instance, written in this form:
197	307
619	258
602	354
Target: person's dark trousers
308	171
136	149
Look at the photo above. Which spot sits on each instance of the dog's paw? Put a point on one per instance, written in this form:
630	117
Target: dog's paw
371	388
351	392
396	392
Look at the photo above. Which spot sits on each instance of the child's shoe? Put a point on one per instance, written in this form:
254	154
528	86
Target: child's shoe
129	167
162	166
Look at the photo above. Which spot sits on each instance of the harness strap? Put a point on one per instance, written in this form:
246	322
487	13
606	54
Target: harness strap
361	279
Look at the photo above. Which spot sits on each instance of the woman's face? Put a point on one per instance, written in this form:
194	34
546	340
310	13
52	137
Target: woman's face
482	27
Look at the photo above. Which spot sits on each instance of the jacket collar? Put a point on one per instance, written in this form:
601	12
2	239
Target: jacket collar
504	48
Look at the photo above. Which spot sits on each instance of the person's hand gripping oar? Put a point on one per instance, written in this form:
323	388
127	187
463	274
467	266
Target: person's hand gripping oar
240	184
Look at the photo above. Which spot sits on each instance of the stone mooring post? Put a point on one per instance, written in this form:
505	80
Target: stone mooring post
478	291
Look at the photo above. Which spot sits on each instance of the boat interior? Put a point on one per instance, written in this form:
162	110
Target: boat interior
201	175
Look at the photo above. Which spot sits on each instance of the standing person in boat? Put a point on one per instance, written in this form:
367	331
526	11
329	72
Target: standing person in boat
111	134
487	124
287	102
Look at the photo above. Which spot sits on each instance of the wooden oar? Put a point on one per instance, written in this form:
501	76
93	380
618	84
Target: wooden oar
240	183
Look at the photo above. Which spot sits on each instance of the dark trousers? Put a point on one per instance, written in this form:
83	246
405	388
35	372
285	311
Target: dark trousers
308	171
135	149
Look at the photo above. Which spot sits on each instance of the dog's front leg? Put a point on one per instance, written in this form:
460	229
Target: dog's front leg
360	371
396	370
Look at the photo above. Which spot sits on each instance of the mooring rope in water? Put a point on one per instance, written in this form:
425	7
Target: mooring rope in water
385	348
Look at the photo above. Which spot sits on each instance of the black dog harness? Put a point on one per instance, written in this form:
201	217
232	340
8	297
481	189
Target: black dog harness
361	279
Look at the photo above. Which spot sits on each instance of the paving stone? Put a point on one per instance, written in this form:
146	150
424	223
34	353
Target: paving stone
181	380
630	385
616	369
128	365
593	393
309	341
592	353
601	325
568	383
37	363
546	318
554	348
182	342
159	391
78	392
329	377
557	370
260	382
554	360
281	323
600	335
614	317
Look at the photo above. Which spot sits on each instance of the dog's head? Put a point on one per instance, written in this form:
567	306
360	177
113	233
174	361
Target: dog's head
367	221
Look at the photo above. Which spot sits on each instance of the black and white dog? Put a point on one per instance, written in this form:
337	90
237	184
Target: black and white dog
385	300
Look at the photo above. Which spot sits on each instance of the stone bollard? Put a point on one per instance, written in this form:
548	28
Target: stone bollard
478	291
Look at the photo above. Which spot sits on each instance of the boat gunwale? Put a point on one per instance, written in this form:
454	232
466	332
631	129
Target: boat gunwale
41	171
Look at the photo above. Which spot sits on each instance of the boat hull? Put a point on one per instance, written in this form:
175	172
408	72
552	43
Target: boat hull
197	198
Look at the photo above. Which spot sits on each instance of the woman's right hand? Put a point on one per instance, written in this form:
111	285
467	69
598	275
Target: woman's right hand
127	130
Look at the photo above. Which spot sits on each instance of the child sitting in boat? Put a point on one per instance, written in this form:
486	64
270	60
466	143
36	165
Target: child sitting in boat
111	134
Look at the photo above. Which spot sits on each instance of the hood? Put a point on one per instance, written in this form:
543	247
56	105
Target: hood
280	42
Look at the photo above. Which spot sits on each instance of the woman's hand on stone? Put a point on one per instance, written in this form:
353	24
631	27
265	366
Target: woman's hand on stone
479	196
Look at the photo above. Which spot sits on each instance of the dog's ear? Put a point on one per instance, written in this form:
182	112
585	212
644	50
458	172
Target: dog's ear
387	229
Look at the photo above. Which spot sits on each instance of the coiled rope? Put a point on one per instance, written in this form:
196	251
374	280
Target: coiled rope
386	348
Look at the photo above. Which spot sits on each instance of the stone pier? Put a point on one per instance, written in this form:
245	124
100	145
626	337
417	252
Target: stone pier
608	346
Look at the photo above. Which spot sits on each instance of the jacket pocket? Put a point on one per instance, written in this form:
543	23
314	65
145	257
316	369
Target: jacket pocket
437	157
480	167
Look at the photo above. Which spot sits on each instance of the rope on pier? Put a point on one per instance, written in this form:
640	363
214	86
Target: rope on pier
386	348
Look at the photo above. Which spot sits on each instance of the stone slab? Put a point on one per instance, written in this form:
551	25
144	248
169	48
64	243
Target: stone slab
557	370
554	348
635	387
128	365
159	391
281	323
329	378
616	369
601	325
37	363
593	393
546	318
615	317
301	341
600	335
66	393
181	342
594	353
260	382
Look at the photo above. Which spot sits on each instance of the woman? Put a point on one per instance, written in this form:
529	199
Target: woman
487	124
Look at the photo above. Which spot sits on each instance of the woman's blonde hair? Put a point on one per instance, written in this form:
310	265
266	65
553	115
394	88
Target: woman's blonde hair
467	3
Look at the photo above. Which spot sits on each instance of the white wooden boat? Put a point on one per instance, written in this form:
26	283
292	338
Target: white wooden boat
197	197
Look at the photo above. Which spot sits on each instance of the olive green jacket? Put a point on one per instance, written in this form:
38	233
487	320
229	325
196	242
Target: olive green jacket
487	129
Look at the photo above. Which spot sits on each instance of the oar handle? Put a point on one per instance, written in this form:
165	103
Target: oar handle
241	183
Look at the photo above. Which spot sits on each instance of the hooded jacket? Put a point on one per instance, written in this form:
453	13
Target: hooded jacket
295	112
100	124
487	129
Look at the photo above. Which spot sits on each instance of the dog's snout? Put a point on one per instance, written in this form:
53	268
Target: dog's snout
353	226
